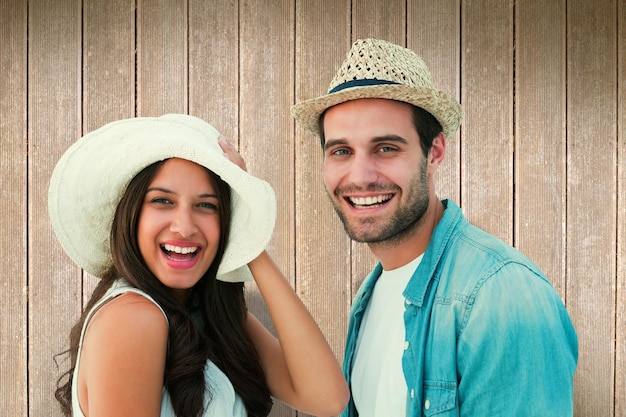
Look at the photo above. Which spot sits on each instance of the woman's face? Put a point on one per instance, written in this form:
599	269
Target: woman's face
179	225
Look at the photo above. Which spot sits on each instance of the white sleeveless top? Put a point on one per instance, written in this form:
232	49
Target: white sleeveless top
224	400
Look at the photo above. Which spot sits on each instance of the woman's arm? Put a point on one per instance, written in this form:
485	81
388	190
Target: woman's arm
300	367
123	359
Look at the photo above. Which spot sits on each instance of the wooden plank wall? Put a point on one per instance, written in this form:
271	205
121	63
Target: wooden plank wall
539	160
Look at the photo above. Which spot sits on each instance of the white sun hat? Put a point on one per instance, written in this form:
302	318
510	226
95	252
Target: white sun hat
375	68
90	178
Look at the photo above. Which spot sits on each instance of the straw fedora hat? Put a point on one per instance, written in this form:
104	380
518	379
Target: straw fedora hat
90	178
375	68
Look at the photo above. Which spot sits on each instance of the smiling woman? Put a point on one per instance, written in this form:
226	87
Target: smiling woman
179	225
173	233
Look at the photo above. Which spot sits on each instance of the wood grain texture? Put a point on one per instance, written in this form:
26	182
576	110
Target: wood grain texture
487	99
540	136
54	97
591	198
322	248
620	319
108	62
13	211
214	64
162	49
379	19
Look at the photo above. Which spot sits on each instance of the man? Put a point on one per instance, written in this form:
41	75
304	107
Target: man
452	321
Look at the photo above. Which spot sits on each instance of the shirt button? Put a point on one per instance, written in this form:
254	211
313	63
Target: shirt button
412	393
427	404
406	345
407	302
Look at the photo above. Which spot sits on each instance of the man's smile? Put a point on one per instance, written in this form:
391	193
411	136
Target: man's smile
369	201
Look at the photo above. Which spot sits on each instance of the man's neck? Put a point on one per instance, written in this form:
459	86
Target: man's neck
394	254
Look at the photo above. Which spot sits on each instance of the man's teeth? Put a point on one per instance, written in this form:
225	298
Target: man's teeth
368	201
178	249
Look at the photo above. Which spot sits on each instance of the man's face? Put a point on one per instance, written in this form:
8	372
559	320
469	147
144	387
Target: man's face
375	172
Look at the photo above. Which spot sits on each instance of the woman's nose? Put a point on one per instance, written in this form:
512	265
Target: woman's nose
183	223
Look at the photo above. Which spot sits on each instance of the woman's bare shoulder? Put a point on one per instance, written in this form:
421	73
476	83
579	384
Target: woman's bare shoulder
123	355
129	310
127	323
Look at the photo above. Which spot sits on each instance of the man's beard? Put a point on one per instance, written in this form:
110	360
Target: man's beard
407	218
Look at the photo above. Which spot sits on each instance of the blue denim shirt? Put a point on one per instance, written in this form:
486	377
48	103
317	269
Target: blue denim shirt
486	333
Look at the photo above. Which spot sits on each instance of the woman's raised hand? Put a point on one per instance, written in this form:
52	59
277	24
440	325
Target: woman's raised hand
231	153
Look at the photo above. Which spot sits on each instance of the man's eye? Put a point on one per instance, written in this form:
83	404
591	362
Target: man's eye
340	152
385	149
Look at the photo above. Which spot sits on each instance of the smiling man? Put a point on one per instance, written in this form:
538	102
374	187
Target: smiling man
452	321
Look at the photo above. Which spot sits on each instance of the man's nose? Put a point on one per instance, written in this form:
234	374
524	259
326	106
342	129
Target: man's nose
363	169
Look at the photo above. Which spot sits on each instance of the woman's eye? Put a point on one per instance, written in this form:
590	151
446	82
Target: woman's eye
160	200
208	206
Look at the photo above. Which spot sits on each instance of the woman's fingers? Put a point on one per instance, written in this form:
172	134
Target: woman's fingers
231	153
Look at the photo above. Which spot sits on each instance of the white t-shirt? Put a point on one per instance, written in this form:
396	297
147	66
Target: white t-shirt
378	385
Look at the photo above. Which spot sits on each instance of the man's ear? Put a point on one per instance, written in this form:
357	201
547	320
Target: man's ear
437	151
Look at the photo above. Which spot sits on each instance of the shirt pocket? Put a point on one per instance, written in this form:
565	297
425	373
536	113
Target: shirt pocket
439	399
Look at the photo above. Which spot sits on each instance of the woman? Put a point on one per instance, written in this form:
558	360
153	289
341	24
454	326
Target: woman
173	224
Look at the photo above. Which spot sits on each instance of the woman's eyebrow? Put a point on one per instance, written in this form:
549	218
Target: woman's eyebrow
166	191
160	189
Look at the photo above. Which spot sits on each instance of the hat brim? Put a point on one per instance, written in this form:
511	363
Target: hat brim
91	177
438	103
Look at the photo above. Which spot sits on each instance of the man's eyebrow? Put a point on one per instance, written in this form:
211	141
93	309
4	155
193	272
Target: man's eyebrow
334	142
390	138
378	139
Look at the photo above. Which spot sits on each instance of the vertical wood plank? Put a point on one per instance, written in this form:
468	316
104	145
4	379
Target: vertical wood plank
381	20
54	120
13	219
161	57
591	198
540	119
434	33
214	64
266	85
322	247
487	97
108	72
108	62
620	321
